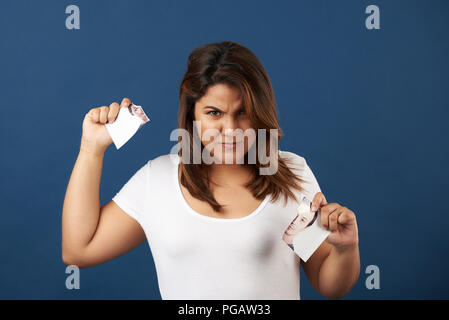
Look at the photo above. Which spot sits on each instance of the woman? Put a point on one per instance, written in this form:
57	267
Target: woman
214	229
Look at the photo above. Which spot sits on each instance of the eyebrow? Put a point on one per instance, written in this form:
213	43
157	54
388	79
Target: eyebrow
212	107
217	109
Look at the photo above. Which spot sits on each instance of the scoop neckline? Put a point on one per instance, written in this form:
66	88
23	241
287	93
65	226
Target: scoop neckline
202	216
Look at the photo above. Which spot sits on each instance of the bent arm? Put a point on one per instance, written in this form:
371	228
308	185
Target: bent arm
339	272
81	208
92	235
333	272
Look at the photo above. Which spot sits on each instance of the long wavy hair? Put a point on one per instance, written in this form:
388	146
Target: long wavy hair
230	63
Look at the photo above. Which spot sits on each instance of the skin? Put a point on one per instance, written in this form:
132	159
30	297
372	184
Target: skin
221	109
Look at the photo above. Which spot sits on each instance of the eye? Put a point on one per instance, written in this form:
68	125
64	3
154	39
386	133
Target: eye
210	112
242	112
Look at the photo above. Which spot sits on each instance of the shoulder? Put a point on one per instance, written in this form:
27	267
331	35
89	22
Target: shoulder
294	161
153	171
301	168
162	164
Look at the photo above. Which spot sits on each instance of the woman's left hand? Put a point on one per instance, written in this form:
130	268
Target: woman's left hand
340	220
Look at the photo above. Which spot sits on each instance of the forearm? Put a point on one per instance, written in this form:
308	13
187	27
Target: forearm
81	208
339	272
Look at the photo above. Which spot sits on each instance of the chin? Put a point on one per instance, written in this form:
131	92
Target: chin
230	156
227	158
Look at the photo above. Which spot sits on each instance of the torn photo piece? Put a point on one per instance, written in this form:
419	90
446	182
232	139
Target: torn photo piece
305	233
128	121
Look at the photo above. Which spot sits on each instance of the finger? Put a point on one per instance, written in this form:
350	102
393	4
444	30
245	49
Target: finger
325	211
318	201
114	108
104	110
94	115
125	103
346	217
333	218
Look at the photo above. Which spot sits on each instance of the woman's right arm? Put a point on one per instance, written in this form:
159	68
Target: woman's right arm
91	234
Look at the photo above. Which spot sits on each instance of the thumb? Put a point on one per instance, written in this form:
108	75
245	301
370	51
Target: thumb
318	201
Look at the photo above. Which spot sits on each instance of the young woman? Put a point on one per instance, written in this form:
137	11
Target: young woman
214	229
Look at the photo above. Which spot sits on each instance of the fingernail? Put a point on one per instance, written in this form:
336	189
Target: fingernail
313	208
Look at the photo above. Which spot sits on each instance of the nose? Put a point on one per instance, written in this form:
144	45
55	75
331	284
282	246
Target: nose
229	125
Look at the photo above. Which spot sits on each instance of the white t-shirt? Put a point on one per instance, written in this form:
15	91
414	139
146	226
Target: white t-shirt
202	257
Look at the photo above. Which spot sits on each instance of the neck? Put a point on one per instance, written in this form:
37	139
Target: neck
230	174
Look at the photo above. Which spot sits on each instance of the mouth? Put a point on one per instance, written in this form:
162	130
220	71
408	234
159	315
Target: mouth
231	145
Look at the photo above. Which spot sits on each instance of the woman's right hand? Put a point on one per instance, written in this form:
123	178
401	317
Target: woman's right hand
95	137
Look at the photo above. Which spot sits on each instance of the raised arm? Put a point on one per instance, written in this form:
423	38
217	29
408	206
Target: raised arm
91	234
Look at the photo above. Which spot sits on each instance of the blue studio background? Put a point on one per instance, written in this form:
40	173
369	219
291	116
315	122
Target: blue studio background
368	110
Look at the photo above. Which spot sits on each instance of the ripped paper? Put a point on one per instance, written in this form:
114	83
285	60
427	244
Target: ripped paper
128	121
305	233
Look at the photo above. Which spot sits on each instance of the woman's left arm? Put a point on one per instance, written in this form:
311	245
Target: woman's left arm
336	266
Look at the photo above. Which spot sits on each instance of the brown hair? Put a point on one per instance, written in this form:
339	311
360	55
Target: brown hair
233	64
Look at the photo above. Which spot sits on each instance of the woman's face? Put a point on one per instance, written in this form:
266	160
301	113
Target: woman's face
221	109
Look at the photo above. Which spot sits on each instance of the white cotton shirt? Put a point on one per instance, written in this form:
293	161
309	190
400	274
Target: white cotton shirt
202	257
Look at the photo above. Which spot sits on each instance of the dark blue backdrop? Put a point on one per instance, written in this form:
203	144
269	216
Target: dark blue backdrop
368	109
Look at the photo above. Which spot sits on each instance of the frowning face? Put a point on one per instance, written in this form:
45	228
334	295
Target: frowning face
221	109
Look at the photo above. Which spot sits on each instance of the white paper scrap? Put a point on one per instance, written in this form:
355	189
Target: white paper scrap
128	121
305	233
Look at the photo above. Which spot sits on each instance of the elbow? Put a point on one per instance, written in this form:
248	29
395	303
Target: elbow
71	259
336	296
68	259
337	293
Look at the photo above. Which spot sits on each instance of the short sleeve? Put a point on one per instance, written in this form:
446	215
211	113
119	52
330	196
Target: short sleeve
132	196
312	186
302	170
